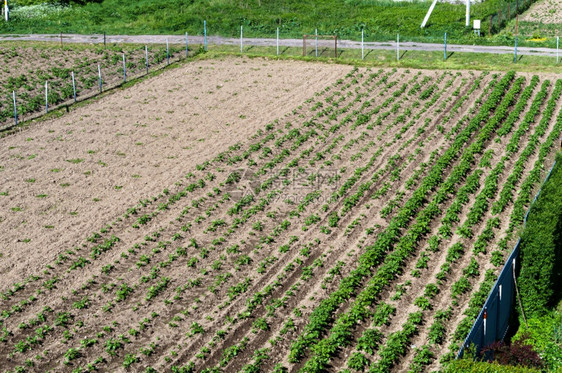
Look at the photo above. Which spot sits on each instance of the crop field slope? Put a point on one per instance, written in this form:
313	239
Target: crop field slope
359	230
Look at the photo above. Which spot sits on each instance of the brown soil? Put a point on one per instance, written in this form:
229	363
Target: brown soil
134	144
190	131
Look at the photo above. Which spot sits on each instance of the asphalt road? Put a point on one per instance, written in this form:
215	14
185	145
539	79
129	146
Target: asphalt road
345	44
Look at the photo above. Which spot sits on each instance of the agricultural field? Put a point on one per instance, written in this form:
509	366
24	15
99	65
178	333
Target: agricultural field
26	69
256	215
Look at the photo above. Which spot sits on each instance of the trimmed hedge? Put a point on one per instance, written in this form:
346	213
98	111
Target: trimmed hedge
540	278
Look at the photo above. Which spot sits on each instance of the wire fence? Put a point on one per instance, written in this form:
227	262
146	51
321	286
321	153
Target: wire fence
506	12
357	48
65	90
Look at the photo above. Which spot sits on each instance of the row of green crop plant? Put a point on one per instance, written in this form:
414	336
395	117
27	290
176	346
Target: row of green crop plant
397	342
456	251
324	348
523	200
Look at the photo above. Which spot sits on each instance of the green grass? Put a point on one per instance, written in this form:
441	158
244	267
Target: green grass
534	29
381	19
408	59
545	335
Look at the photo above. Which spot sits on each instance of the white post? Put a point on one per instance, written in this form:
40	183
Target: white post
467	13
398	47
99	76
557	48
146	57
124	70
362	48
241	39
46	97
15	107
74	86
278	41
428	14
316	41
485	322
6	11
168	51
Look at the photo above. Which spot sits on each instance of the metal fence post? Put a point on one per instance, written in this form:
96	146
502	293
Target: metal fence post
186	46
278	41
124	70
515	51
205	32
167	51
557	48
362	46
146	57
15	107
445	50
316	41
74	86
46	97
99	77
241	39
398	47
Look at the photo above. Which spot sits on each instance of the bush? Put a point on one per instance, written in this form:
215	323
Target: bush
545	335
518	353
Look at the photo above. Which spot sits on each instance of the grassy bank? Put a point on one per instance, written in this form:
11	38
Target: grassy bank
381	20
